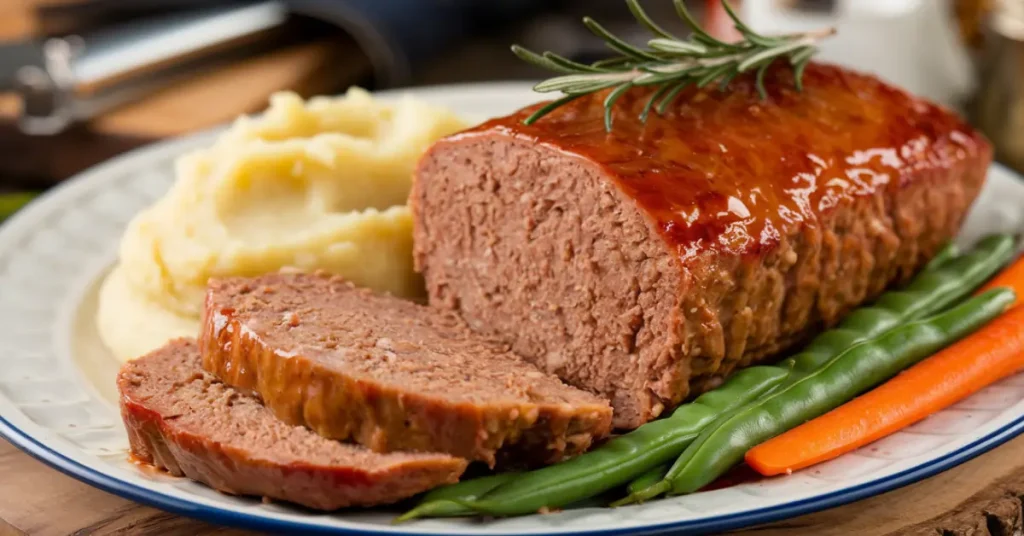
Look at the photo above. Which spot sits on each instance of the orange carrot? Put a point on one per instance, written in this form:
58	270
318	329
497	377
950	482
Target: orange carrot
1012	277
984	357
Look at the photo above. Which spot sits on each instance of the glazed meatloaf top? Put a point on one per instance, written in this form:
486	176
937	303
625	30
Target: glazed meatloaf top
389	373
184	420
723	170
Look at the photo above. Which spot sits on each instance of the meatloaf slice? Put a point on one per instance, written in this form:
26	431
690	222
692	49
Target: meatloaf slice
647	263
184	420
388	373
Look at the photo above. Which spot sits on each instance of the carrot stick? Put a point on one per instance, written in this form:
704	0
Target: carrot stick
1012	277
984	357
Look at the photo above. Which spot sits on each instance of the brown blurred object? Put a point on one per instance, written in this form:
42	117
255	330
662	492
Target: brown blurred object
970	16
998	106
16	19
717	22
207	98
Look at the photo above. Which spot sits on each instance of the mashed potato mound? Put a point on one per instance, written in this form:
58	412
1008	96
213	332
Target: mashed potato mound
317	185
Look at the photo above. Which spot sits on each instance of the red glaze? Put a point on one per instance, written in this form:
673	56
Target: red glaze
730	172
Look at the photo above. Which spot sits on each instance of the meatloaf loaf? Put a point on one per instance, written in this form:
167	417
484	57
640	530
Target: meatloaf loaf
183	420
649	262
388	373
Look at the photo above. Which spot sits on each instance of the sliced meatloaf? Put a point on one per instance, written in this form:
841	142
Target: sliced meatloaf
388	373
184	420
647	263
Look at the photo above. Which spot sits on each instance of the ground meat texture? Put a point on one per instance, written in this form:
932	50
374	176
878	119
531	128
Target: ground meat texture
187	422
647	263
390	374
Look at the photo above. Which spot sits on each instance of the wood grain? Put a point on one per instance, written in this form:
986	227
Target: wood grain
981	497
37	500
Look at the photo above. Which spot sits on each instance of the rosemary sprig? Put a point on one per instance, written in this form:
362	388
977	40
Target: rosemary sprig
670	63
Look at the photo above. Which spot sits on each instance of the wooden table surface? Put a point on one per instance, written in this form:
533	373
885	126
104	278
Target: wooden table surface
980	497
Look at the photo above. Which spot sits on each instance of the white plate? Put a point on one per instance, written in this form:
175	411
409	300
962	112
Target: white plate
56	378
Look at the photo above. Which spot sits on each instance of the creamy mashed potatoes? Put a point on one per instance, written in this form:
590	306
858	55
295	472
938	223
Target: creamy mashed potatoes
308	185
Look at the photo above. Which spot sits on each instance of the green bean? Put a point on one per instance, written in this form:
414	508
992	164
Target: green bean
620	459
949	251
854	371
437	502
648	479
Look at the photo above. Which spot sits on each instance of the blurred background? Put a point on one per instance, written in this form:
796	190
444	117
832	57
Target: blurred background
83	80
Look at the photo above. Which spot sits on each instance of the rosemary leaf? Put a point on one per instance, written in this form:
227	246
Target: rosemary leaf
615	43
671	96
593	87
669	63
748	33
728	78
767	54
673	68
698	32
570	81
654	78
641	16
609	102
573	66
759	80
761	41
540	61
616	62
798	73
802	55
736	21
698	72
711	42
549	107
650	102
677	47
713	74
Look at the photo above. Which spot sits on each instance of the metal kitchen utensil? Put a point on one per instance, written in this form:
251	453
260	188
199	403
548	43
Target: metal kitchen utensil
75	78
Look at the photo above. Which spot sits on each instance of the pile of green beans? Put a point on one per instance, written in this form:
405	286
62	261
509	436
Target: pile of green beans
948	277
646	451
854	371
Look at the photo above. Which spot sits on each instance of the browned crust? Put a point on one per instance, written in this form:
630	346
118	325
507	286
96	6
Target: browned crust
156	440
854	254
384	418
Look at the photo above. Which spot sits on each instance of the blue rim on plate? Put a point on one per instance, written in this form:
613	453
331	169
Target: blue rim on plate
222	516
